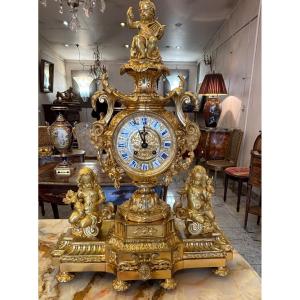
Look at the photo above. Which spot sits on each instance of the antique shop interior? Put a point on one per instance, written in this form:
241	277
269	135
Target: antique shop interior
149	140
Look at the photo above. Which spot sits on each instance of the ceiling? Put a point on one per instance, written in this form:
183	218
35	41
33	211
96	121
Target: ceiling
200	19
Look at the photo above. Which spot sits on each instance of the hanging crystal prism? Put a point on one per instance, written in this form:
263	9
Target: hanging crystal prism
102	6
88	7
61	10
74	24
43	2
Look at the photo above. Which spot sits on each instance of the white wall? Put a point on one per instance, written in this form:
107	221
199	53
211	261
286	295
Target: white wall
253	120
236	51
125	83
59	84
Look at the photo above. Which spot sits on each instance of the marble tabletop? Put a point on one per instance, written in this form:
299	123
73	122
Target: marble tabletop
243	283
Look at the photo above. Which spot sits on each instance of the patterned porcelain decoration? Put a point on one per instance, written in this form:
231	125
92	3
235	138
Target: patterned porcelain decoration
61	134
212	112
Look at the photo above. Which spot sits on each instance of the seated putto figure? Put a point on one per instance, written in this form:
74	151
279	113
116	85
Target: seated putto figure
144	44
86	217
198	214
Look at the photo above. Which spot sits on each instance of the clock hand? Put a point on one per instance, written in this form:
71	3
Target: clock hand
140	132
144	144
141	136
144	131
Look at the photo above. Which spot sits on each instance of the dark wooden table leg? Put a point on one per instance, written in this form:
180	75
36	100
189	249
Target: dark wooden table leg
55	210
258	220
225	186
41	204
247	205
239	195
258	217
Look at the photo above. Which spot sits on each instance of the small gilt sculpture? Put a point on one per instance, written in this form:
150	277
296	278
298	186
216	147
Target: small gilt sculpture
86	219
198	214
144	44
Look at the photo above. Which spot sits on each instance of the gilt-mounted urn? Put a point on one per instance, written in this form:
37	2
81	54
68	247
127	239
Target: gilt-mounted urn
61	138
61	133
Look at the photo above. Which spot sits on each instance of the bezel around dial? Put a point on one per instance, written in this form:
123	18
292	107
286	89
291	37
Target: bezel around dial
132	140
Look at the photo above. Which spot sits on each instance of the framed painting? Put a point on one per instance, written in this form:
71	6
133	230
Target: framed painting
46	76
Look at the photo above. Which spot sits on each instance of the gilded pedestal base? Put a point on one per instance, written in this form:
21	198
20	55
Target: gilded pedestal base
134	251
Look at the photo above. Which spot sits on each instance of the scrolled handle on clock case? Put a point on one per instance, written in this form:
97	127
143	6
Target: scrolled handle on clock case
109	99
187	97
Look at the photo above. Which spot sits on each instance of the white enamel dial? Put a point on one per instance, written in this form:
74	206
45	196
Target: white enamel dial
145	143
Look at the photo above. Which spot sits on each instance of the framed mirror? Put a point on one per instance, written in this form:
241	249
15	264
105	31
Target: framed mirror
46	76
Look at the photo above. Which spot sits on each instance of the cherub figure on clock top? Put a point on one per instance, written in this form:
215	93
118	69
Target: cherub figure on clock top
144	44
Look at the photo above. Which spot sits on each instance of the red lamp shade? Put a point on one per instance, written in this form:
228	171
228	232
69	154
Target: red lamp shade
213	84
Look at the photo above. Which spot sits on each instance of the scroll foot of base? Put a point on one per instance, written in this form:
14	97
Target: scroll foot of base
169	284
120	285
221	271
64	277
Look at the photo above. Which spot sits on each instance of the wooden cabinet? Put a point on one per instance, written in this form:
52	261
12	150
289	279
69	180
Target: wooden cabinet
72	114
254	181
213	143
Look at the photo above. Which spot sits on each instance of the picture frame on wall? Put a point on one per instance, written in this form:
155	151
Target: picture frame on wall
46	76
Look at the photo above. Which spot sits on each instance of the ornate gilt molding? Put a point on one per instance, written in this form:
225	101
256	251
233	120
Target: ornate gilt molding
83	259
140	240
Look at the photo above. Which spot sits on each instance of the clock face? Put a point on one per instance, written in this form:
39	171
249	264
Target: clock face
145	143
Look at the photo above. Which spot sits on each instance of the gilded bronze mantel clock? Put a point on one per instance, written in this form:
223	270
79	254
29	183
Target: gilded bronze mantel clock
144	239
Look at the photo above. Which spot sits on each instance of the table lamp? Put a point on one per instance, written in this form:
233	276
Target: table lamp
212	86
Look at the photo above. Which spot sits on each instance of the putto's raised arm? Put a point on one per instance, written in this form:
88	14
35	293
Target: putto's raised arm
130	19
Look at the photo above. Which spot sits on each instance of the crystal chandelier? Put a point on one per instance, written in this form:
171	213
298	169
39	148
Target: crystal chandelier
87	5
97	68
84	81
